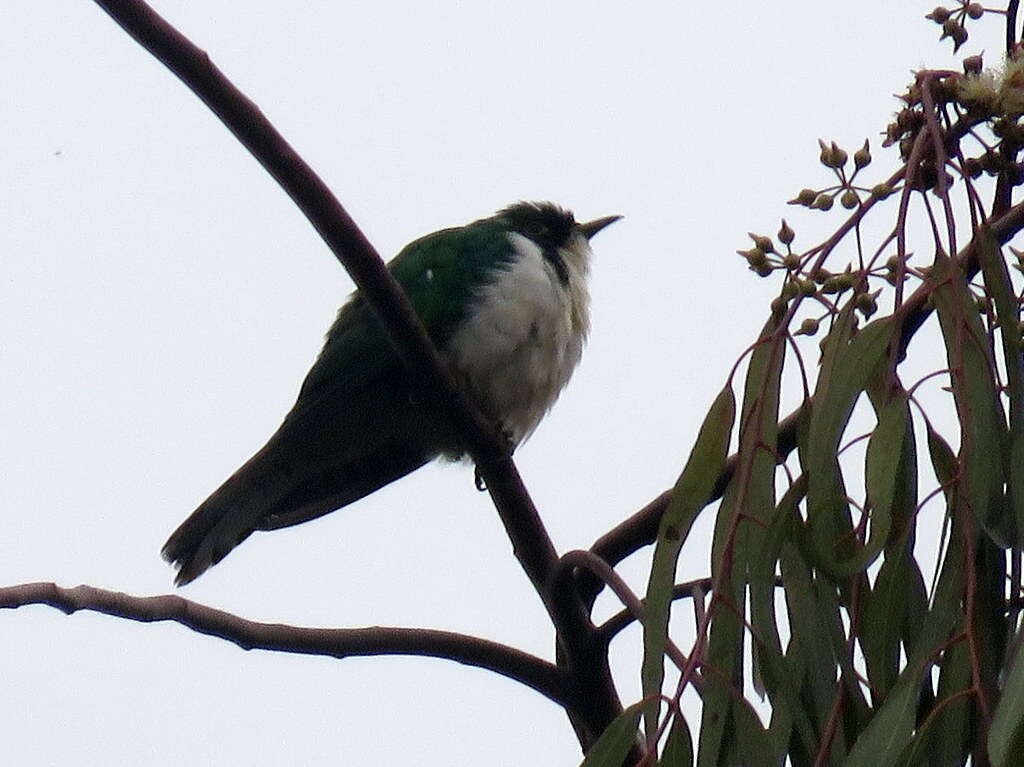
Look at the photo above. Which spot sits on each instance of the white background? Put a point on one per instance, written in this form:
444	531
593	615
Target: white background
161	300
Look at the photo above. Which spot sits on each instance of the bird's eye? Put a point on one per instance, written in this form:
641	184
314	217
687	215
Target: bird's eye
536	229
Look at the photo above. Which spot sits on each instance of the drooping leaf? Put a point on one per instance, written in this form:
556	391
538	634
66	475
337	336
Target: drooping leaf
847	367
1006	736
882	623
882	742
810	649
1000	289
749	496
781	681
678	751
948	732
972	375
897	600
618	738
689	497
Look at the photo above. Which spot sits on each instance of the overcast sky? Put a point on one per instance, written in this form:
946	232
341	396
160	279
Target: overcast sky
161	300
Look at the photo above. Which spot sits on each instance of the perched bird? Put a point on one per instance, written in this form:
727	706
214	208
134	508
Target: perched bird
505	301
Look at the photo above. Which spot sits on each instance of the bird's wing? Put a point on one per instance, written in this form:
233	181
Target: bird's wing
438	273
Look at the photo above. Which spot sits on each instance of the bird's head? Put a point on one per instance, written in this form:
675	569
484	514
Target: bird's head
550	226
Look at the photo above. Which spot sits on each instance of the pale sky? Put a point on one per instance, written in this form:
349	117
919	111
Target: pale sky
161	300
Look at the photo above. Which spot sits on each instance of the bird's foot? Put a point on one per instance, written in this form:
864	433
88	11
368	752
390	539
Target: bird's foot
510	442
510	447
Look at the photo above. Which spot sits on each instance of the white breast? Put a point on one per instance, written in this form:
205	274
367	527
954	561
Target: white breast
525	335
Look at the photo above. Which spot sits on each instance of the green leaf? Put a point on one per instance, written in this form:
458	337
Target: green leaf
882	623
882	477
810	648
678	751
691	493
888	734
946	611
618	738
948	732
781	680
847	368
943	460
750	495
999	287
898	601
982	424
1006	736
754	743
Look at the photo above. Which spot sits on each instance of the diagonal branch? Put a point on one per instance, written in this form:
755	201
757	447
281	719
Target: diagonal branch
515	664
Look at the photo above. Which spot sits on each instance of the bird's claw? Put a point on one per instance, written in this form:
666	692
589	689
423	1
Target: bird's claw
510	447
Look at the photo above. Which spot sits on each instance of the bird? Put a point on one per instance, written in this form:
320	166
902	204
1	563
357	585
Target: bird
505	301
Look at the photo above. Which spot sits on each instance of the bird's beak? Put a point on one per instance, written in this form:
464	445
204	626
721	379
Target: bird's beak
591	228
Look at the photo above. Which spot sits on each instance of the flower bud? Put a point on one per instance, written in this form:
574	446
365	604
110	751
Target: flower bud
862	157
786	234
839	157
866	304
825	156
959	36
808	327
881	191
755	257
849	200
973	65
790	289
791	261
808	288
834	284
939	15
991	162
763	270
974	10
805	197
762	242
822	202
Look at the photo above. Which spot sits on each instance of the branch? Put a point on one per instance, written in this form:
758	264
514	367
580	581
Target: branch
624	618
595	702
515	664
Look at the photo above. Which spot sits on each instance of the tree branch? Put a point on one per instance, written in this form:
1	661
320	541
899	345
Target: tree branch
626	617
534	672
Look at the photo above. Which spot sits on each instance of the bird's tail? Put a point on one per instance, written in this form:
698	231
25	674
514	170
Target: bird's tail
279	487
225	519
